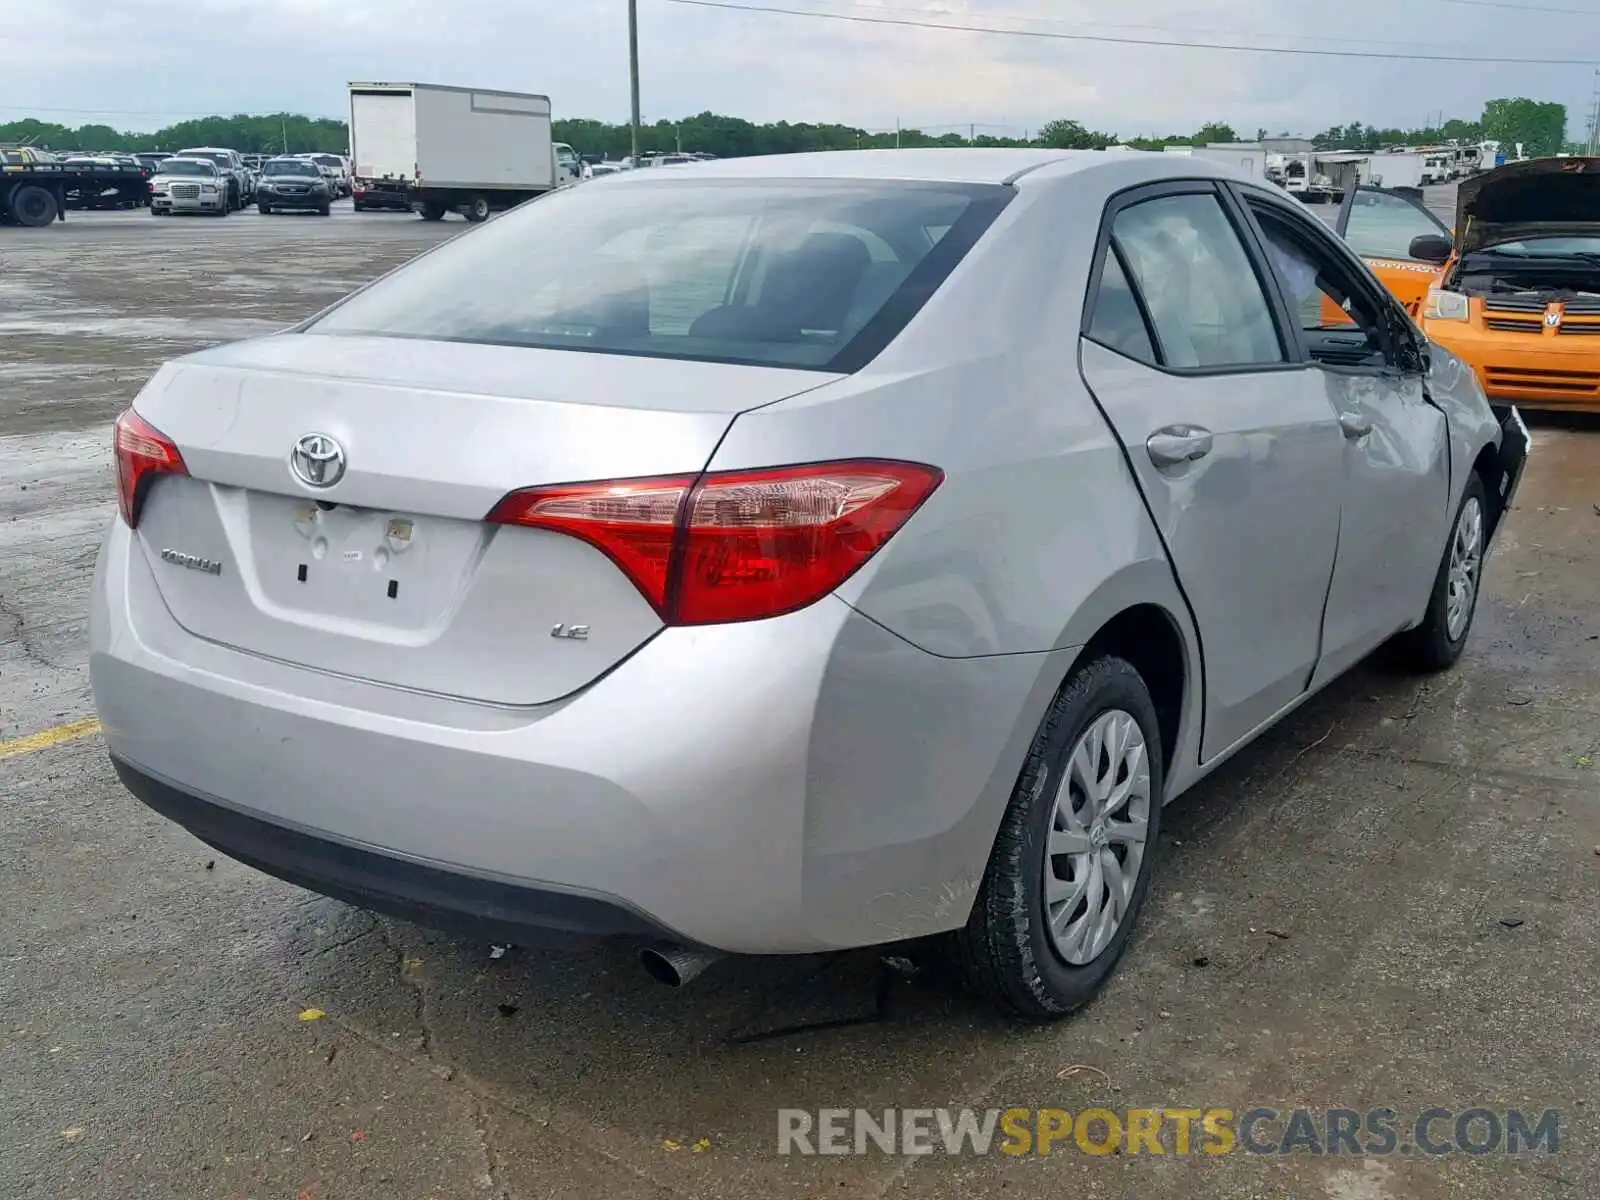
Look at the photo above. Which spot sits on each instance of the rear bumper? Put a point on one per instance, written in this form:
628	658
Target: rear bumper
442	899
806	783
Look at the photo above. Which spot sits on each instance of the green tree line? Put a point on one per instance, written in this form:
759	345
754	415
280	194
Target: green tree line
1540	127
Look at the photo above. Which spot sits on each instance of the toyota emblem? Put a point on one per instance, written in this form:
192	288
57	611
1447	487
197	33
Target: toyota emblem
317	460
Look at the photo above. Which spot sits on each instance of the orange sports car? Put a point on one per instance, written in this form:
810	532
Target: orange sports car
1514	289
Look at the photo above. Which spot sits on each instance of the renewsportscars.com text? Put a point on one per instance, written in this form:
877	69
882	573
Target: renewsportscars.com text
1371	1132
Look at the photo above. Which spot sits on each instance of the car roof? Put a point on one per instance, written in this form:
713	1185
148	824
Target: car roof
992	165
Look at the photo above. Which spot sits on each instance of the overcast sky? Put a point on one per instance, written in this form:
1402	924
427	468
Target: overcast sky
146	63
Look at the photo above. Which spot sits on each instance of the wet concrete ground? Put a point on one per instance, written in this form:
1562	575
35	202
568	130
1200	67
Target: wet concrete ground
1389	902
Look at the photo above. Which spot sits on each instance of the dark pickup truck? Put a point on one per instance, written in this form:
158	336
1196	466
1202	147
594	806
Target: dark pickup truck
36	193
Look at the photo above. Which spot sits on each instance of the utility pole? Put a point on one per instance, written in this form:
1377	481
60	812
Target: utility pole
897	133
1594	117
633	73
283	124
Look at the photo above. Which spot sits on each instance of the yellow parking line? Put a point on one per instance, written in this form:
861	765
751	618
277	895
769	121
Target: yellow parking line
45	738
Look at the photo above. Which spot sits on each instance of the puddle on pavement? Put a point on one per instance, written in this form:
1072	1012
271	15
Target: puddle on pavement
220	329
33	455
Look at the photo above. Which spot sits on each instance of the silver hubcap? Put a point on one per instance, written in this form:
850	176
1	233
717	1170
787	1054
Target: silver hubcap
1466	554
1097	837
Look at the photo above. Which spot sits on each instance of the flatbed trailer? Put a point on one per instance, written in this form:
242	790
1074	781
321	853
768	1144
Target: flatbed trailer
36	194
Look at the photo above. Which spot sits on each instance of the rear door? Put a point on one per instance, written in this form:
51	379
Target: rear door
1232	441
383	134
1379	225
1397	462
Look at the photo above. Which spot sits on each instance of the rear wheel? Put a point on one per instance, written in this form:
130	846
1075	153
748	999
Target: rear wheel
34	206
478	209
1438	642
1075	852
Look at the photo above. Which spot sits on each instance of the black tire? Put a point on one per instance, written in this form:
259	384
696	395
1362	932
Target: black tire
1005	951
34	206
264	209
432	210
477	210
1429	647
325	211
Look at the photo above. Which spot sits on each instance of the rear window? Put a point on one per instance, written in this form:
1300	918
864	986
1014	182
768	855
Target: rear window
793	274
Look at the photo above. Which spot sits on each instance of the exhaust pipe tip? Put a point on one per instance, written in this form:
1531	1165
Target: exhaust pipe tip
673	965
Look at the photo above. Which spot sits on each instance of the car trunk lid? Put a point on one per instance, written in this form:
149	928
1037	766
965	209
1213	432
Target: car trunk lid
390	574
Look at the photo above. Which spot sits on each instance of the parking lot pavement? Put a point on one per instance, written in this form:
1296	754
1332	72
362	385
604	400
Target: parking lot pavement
1391	902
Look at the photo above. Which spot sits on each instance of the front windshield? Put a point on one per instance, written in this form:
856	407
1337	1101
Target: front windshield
188	168
291	166
1552	247
775	273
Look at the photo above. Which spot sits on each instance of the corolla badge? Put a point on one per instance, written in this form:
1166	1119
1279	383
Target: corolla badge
194	562
317	460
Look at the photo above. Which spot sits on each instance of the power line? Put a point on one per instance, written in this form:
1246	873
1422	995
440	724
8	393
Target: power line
1576	12
939	13
1232	47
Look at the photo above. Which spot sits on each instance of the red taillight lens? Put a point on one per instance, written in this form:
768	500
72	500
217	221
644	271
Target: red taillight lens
734	545
141	450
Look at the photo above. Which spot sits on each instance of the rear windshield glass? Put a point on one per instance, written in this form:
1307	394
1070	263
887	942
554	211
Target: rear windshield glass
796	274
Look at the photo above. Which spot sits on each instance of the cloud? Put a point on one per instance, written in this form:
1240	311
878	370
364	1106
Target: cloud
148	62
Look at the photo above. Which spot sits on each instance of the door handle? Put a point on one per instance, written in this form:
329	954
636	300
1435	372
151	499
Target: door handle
1174	444
1355	425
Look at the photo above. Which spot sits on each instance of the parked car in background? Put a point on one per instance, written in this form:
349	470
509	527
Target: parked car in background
982	501
18	156
151	161
1514	289
294	185
189	185
241	184
334	168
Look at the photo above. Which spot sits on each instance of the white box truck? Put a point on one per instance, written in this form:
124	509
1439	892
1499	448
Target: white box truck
432	149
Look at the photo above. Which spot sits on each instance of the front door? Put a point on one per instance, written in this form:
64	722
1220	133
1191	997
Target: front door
1396	453
1231	439
1380	225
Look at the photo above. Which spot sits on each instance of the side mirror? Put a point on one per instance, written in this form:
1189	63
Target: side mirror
1431	247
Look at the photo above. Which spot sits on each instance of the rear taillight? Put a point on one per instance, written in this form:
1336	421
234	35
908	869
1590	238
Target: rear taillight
734	545
142	451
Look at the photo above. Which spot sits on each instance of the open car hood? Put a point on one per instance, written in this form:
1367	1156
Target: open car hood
1543	197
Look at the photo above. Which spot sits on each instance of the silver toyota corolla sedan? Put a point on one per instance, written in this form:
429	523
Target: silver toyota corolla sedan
782	555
